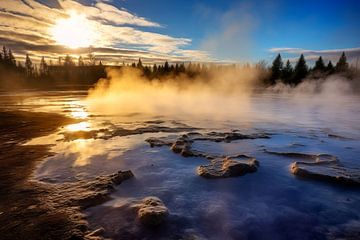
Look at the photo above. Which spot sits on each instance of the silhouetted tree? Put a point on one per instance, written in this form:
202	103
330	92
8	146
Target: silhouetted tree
68	62
59	61
154	71
319	65
301	70
287	72
139	64
92	59
43	67
29	66
342	64
12	61
5	55
276	69
166	67
330	68
81	62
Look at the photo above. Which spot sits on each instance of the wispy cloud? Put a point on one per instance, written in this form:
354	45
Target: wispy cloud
25	26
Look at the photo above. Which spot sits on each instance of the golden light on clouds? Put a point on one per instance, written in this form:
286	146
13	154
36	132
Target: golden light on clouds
75	31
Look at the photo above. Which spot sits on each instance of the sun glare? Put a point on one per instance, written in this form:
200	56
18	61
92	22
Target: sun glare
74	32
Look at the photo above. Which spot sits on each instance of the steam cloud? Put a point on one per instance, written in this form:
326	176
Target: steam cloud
231	93
126	91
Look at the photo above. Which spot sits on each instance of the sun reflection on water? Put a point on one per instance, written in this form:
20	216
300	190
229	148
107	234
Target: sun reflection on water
79	113
84	152
82	126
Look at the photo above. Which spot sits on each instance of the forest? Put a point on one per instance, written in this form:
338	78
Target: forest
87	71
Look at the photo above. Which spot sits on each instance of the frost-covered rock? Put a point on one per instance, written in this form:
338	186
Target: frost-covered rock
152	211
228	167
327	171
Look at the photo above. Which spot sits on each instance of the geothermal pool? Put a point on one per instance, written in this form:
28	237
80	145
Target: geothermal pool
271	203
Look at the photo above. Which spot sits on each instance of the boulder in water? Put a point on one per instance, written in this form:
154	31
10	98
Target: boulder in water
228	167
152	211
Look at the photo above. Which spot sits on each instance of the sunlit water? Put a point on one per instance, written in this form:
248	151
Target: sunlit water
268	204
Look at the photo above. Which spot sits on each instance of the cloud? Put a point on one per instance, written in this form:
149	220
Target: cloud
26	25
328	54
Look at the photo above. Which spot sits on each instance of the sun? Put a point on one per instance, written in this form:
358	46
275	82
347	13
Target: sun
74	32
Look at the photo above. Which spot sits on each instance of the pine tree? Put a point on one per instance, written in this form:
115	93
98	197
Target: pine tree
5	55
43	67
68	62
319	65
81	62
287	72
301	70
276	69
166	67
12	61
28	66
342	64
139	64
154	70
92	59
60	61
330	68
182	68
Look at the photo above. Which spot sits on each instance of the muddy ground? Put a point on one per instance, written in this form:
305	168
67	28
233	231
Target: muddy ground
34	210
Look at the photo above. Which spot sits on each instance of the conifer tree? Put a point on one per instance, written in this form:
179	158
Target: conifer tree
166	67
276	69
68	61
139	64
81	61
28	66
11	59
319	65
301	70
330	68
43	67
287	72
342	64
154	70
5	55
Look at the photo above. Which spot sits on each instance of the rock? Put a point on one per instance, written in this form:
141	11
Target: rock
330	171
228	167
86	193
183	146
158	142
324	167
306	156
231	136
152	211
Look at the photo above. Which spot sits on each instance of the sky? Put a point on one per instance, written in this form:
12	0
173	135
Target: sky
187	30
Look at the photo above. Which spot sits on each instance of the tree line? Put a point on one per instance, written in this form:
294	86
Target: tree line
294	75
68	70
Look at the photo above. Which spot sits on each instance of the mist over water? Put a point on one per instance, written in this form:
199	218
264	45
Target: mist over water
230	94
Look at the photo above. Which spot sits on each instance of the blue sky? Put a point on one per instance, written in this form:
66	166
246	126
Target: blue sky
187	30
313	25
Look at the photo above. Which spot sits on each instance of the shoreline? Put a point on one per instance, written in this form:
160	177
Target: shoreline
34	210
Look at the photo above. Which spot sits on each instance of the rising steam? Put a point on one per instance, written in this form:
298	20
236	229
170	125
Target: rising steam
220	92
230	93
